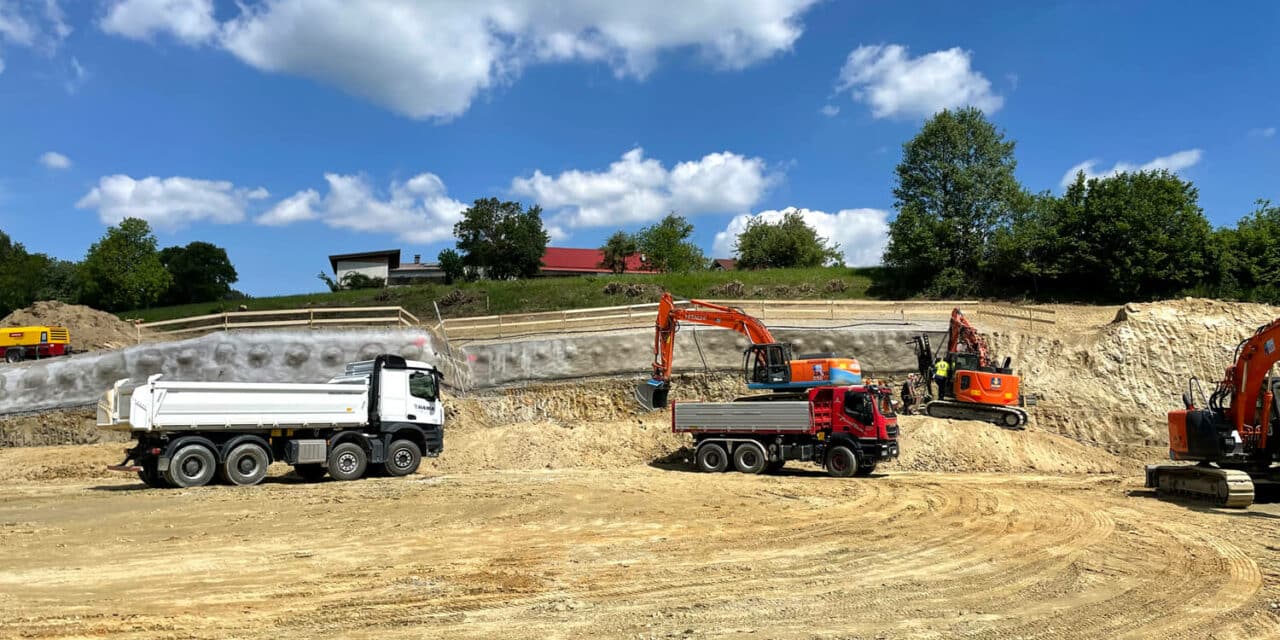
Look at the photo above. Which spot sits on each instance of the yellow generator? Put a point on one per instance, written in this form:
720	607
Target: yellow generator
33	343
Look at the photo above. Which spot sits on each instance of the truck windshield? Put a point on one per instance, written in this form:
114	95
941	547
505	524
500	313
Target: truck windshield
885	403
422	385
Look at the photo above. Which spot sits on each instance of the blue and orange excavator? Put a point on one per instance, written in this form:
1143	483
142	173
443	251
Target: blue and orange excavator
767	364
1231	436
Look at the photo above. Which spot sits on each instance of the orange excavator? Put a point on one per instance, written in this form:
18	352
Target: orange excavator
977	388
766	364
1232	438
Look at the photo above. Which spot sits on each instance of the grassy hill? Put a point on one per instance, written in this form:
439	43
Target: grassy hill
554	294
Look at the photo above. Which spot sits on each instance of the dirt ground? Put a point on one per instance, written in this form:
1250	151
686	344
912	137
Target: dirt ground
90	329
629	552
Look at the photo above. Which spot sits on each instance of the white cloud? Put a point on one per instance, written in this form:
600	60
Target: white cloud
829	110
418	211
861	233
55	160
639	189
190	21
37	25
169	203
1173	162
1263	132
894	84
431	59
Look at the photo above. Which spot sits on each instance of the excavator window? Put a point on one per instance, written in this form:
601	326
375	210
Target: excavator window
964	383
771	363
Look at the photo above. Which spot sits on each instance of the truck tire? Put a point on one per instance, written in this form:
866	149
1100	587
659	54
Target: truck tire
866	469
712	458
775	466
310	472
13	356
347	461
151	477
842	462
403	458
246	465
750	458
192	466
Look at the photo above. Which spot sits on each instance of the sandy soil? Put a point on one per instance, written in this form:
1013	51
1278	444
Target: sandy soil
631	552
90	329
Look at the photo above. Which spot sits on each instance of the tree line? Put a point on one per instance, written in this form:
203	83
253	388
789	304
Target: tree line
966	227
123	270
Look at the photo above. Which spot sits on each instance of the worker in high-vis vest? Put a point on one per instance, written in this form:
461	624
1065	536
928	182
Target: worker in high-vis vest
940	375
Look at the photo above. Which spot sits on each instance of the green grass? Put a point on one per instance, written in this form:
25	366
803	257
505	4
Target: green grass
555	294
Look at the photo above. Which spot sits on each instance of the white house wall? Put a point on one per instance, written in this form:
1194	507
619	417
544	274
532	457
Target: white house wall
370	268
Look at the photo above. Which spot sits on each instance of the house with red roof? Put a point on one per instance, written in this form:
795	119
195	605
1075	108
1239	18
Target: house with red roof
563	261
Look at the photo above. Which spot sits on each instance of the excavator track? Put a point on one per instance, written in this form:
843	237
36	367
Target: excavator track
1008	417
1224	487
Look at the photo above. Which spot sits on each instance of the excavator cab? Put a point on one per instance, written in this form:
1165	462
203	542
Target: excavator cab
768	364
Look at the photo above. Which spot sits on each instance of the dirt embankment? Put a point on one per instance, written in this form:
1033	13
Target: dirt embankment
90	329
73	426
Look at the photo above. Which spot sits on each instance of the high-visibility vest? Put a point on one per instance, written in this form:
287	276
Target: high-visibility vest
940	369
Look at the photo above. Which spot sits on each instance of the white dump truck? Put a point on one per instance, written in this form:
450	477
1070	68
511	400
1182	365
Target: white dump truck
379	416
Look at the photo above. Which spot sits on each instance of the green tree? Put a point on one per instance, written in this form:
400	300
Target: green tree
787	243
620	246
122	270
1246	259
21	275
502	239
955	188
201	273
451	264
667	248
60	281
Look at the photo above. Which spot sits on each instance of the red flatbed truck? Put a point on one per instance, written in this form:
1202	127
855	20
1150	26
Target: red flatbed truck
847	430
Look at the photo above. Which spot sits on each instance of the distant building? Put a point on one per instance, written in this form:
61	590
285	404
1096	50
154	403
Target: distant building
385	265
724	264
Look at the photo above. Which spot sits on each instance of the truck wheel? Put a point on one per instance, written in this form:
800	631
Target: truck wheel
347	461
842	462
403	458
775	466
13	355
866	469
192	466
712	458
246	465
749	458
150	476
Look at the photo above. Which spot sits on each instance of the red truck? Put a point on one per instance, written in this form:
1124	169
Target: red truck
847	430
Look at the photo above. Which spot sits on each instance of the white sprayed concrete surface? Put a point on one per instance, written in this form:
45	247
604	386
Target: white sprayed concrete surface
316	356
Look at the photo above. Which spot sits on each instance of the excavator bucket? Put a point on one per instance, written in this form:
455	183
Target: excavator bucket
652	394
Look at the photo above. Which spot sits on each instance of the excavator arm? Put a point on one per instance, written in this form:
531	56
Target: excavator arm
1244	384
964	334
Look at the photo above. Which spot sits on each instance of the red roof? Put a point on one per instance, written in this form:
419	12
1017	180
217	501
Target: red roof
585	261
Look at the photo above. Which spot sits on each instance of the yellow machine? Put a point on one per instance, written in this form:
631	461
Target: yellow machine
33	343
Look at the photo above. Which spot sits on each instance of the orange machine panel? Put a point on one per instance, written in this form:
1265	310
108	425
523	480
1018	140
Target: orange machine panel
1178	432
819	369
986	388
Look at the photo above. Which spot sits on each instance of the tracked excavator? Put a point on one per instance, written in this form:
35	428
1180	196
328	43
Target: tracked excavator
1231	437
766	364
977	388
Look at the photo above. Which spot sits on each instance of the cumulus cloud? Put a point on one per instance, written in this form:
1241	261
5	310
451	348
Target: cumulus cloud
418	210
639	189
829	110
55	160
894	84
1262	132
430	60
1173	162
169	203
189	21
861	233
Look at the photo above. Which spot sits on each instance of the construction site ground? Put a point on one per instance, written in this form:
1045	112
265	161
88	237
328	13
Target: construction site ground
561	511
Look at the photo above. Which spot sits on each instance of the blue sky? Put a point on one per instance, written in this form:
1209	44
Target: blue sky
287	130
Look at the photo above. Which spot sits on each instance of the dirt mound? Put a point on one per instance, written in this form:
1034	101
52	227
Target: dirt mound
75	426
90	329
64	462
1115	383
932	444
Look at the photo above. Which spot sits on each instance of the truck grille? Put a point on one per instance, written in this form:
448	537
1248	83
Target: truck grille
57	335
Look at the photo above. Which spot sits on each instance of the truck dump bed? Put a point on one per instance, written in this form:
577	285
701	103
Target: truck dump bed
161	406
741	417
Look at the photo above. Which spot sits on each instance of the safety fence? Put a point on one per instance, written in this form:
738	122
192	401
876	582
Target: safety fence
311	317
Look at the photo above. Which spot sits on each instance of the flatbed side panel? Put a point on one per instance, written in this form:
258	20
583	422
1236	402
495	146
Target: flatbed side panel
233	406
744	417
